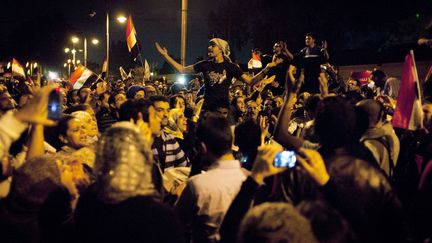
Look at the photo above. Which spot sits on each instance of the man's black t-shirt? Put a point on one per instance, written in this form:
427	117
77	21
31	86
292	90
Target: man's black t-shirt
312	58
217	79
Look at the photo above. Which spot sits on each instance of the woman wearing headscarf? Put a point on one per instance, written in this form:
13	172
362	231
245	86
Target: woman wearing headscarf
124	204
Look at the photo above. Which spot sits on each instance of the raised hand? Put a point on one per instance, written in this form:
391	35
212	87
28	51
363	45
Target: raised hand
36	110
314	165
263	165
162	50
143	127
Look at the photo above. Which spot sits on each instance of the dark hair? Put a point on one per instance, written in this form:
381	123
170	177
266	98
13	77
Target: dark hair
247	136
52	135
158	98
70	94
131	108
219	103
173	100
311	104
335	123
328	225
80	107
215	132
111	99
311	34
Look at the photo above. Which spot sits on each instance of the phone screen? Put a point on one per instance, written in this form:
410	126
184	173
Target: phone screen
55	110
285	159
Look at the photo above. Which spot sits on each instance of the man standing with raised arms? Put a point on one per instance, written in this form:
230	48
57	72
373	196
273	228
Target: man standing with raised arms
218	71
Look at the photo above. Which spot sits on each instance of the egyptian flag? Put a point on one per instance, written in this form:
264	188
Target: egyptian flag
17	69
104	68
255	61
408	105
132	42
83	78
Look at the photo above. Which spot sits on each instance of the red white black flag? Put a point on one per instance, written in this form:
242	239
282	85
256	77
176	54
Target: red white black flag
132	43
83	77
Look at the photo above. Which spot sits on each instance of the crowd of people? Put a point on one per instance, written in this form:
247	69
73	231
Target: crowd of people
144	162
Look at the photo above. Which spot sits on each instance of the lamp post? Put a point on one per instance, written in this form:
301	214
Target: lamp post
183	32
120	19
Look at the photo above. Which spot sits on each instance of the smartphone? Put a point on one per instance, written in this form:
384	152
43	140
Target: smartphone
245	158
285	159
55	109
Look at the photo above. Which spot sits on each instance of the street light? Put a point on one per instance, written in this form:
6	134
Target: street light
75	40
95	41
73	56
120	19
66	50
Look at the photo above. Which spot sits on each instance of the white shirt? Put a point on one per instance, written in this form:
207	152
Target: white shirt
207	197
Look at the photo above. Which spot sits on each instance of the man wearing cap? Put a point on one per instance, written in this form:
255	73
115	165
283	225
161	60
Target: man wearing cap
218	71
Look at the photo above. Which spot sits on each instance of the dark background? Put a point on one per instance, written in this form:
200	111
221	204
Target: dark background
358	32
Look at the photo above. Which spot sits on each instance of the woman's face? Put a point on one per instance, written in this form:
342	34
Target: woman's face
180	104
182	122
90	123
76	135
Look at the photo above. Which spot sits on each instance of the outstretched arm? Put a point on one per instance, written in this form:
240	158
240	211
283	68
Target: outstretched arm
259	76
177	66
281	134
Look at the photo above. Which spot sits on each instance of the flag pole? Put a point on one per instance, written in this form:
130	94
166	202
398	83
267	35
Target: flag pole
417	87
416	78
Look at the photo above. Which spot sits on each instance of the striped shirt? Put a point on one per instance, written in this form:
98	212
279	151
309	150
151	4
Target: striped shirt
167	152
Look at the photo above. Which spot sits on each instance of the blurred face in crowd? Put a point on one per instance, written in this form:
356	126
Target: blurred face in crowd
92	129
150	91
427	120
180	104
213	50
222	111
253	110
7	102
277	48
353	85
104	102
278	101
84	93
182	122
310	41
140	94
154	122
119	100
241	104
76	135
268	105
63	96
162	110
238	92
75	99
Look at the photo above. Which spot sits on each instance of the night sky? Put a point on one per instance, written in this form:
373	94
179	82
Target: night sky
155	20
159	20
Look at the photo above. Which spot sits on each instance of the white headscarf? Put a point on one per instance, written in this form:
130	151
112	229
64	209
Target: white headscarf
123	164
224	46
